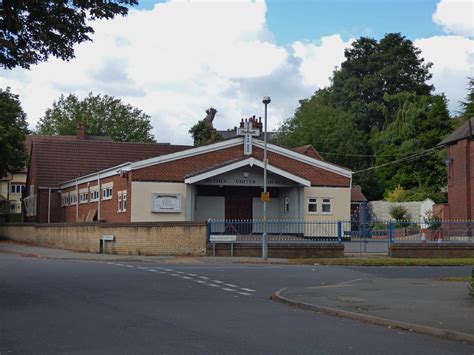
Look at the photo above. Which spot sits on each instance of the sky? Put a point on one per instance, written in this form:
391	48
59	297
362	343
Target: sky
174	59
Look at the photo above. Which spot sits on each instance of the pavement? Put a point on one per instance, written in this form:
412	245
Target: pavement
423	305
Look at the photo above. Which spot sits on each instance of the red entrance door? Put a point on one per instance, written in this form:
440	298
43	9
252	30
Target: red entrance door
238	203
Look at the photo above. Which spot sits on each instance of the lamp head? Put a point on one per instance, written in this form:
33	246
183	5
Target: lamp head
266	100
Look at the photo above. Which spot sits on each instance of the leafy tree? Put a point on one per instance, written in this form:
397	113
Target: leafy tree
468	105
417	126
101	116
329	130
373	69
31	31
13	128
204	132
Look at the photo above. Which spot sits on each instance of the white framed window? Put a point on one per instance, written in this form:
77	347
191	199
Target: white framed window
312	205
286	207
64	199
83	197
17	188
106	193
119	201
326	206
94	195
73	199
124	201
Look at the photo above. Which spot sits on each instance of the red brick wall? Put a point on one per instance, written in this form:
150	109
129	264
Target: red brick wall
108	208
177	170
461	180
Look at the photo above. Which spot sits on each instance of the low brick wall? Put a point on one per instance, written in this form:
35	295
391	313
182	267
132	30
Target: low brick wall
170	238
330	250
419	250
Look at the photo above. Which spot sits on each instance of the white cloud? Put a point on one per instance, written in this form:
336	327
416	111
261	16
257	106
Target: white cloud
319	62
181	57
455	16
453	62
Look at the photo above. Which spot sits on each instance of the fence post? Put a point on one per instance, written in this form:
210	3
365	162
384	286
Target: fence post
339	231
209	228
391	232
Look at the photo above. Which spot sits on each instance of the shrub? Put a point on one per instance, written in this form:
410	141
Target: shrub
398	212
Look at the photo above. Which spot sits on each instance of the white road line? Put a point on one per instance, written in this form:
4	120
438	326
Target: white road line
175	275
218	282
199	281
186	277
180	272
192	274
167	269
244	293
204	277
153	270
129	266
142	268
213	285
231	285
162	272
110	263
247	289
228	289
119	264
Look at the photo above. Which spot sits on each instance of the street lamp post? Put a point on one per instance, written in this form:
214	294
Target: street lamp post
266	100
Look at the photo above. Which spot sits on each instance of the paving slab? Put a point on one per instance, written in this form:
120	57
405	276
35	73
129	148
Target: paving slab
427	303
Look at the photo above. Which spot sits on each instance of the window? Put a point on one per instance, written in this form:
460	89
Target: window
64	199
107	193
94	195
286	208
312	205
122	201
17	188
119	201
12	207
73	199
83	197
326	207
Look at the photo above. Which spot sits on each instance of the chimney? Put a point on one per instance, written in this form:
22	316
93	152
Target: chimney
80	132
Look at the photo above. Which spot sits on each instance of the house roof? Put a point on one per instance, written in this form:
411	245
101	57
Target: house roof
357	195
466	130
63	158
309	151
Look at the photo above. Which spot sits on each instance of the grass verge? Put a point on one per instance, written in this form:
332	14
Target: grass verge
385	261
456	278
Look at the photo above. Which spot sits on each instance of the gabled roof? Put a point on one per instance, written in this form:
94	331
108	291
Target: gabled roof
309	151
466	130
180	164
238	164
62	158
357	195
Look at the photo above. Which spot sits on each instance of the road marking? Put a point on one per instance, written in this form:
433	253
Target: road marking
180	272
217	281
174	274
129	266
200	281
204	277
162	272
213	285
153	270
247	289
244	293
186	277
192	274
167	269
231	285
228	289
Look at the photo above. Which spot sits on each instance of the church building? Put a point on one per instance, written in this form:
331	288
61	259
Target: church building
221	180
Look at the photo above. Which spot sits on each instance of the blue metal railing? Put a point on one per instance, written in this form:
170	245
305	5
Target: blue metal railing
286	230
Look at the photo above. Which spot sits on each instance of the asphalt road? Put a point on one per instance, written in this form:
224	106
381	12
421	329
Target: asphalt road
63	306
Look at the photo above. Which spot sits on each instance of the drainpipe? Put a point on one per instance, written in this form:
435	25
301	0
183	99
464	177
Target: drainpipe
77	202
49	205
100	196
